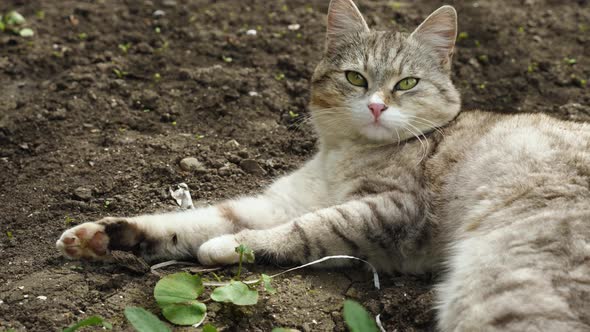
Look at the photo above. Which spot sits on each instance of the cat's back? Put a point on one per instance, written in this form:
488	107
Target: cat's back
490	161
500	144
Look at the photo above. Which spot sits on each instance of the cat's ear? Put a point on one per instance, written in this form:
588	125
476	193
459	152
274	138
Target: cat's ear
439	30
343	18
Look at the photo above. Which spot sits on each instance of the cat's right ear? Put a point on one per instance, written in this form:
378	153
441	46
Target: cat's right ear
343	18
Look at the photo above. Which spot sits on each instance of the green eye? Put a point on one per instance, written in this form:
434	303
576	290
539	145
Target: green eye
407	83
356	78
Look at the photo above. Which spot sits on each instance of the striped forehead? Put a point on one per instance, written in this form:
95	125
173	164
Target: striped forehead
383	55
379	54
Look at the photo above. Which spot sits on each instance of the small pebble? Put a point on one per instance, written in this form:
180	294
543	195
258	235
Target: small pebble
293	27
83	193
159	13
192	164
42	297
251	32
232	143
252	167
253	94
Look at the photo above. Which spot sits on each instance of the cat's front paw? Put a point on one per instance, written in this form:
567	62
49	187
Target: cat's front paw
87	241
219	251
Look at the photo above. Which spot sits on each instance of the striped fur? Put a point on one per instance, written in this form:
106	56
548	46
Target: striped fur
500	203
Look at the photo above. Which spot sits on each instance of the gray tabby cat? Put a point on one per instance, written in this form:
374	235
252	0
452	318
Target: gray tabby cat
501	202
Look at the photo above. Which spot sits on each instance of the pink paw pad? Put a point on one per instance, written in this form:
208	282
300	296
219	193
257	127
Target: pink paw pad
88	241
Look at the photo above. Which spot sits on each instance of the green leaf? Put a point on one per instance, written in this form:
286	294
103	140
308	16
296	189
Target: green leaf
282	329
26	32
236	292
2	26
209	328
90	321
176	295
357	318
247	253
266	279
14	18
144	321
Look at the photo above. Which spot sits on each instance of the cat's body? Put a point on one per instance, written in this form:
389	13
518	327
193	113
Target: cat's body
502	203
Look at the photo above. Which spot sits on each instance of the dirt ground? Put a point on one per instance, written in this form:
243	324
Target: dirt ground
98	108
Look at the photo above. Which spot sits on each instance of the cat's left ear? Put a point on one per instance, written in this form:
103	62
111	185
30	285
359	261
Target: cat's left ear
439	30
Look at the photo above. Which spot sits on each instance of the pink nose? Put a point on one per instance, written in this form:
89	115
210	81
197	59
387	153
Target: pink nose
377	109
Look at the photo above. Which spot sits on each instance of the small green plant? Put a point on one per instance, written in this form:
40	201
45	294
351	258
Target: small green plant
245	253
13	22
533	67
68	220
570	61
209	328
279	76
125	47
40	14
164	47
120	73
144	321
157	77
357	318
90	321
293	115
82	36
198	136
227	59
9	235
177	296
462	36
483	58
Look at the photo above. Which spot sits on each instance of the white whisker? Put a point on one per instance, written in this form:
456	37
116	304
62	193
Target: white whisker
427	148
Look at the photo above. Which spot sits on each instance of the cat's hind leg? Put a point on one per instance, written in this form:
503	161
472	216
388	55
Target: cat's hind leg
520	272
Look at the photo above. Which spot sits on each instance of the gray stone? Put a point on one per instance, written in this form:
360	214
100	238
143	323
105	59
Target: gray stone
192	164
83	193
252	167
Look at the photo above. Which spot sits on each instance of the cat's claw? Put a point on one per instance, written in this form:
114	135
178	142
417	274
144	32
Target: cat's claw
219	251
86	241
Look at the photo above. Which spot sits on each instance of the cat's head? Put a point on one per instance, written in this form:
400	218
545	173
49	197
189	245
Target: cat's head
384	86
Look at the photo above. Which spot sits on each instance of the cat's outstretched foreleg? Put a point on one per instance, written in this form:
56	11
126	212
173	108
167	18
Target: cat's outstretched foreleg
179	234
391	230
170	235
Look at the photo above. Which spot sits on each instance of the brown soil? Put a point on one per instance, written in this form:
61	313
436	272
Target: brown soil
77	142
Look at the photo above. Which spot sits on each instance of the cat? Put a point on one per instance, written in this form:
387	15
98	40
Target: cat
500	203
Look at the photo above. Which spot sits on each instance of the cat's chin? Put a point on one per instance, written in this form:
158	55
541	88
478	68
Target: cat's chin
379	133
